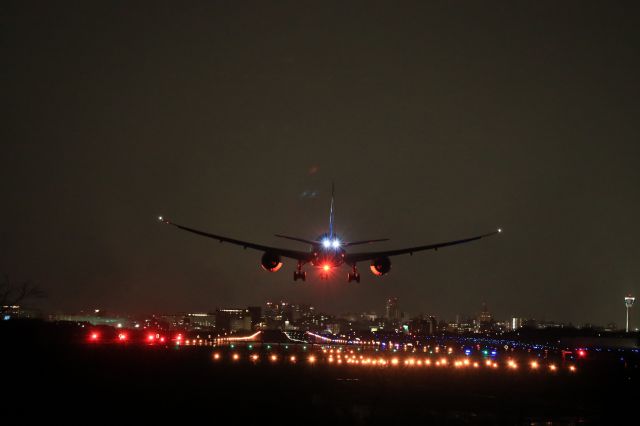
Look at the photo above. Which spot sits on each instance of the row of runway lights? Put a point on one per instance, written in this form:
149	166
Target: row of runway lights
395	362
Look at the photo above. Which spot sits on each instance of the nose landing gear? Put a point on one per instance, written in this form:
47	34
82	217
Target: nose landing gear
299	274
353	276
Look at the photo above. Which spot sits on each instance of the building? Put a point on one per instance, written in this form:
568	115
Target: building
200	321
485	320
392	310
255	312
424	324
93	318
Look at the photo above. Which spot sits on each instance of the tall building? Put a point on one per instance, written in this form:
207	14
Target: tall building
255	312
484	319
392	310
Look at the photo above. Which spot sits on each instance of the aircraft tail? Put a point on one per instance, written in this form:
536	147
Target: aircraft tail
331	211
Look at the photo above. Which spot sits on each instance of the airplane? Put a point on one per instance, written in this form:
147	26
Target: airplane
328	251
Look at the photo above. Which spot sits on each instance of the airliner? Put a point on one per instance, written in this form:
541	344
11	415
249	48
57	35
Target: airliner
327	252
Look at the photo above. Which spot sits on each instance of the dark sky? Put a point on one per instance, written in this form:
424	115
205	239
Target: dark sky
437	121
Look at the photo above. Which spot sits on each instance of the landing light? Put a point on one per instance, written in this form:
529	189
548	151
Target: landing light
335	243
326	243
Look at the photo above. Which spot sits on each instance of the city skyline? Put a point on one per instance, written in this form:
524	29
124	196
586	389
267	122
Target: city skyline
392	309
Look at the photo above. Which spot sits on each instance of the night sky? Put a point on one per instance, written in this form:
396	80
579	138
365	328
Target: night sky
437	121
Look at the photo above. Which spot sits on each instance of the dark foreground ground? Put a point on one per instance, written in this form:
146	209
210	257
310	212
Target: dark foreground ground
74	380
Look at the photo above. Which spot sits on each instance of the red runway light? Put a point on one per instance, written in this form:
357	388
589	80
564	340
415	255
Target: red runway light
94	336
151	337
122	337
582	353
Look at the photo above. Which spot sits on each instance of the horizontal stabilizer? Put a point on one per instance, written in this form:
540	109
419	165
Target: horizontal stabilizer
302	240
355	243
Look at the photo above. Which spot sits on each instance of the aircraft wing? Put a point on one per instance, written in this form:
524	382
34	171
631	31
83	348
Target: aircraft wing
293	254
351	258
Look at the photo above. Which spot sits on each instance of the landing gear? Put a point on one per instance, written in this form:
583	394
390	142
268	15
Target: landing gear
299	274
353	276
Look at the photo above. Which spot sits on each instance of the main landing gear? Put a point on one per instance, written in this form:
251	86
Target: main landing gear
299	274
353	276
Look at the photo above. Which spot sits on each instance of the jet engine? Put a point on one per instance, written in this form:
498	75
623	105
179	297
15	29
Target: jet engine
380	266
271	262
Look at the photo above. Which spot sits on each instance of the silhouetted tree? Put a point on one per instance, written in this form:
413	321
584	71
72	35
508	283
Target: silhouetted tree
15	294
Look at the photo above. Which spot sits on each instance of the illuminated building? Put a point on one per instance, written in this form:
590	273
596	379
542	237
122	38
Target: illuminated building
200	321
255	312
425	324
516	323
392	310
485	319
232	319
93	319
16	311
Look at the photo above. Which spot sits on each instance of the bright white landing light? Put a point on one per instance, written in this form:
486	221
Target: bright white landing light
335	243
326	243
